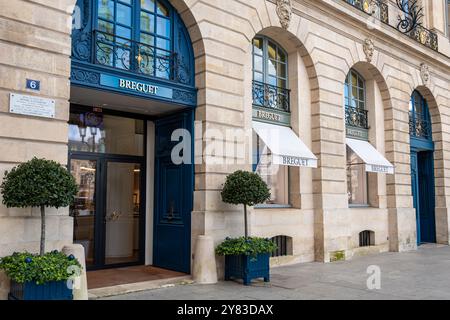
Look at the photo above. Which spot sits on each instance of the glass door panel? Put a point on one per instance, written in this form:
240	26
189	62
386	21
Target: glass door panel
122	214
84	208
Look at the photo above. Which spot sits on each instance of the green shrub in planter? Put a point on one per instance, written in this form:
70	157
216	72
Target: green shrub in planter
246	258
246	188
39	183
51	267
246	246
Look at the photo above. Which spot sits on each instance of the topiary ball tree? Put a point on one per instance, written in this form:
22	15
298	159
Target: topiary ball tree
246	188
39	183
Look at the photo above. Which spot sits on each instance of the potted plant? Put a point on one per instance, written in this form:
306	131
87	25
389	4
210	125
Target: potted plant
40	277
44	184
247	257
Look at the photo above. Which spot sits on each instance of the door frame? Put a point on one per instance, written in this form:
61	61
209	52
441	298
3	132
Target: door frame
418	146
102	161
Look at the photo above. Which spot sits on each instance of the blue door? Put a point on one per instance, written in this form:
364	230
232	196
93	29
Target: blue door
422	173
174	186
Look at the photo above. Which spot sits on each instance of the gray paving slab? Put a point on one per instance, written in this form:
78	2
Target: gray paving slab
422	274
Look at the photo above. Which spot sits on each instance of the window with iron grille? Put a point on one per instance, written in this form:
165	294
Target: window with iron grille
367	238
284	244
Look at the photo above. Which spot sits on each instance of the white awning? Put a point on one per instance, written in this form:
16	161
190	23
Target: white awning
286	147
375	162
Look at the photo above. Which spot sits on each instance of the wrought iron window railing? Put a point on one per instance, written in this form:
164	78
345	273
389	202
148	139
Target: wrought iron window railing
375	8
356	117
272	97
121	53
419	127
426	37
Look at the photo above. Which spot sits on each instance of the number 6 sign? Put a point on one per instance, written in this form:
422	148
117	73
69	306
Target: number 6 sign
33	84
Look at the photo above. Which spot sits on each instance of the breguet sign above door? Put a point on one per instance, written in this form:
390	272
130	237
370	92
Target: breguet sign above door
137	87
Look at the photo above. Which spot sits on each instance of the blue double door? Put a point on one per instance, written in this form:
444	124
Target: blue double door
422	174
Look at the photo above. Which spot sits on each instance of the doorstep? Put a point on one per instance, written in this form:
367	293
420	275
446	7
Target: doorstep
122	289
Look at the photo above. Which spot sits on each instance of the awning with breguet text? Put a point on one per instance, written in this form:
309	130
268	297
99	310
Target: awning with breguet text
286	147
374	160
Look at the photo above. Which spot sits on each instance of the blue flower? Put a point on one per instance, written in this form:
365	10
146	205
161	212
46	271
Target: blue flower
28	260
71	257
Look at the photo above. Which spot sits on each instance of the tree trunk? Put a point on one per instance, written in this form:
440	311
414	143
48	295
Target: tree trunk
246	224
42	251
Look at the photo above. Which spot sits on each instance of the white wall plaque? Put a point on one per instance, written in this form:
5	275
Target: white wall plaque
31	106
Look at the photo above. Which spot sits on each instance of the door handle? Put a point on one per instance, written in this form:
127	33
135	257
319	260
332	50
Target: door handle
171	214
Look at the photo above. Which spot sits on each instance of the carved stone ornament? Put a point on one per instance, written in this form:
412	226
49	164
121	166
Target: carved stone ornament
368	48
424	73
284	11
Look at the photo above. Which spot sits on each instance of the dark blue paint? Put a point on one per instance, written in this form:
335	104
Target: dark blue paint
33	85
56	290
174	185
422	176
86	73
247	268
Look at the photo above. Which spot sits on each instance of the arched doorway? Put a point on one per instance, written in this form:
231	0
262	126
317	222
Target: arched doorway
422	168
132	87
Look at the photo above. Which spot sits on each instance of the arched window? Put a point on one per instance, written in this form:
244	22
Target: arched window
355	101
270	75
356	117
419	117
135	35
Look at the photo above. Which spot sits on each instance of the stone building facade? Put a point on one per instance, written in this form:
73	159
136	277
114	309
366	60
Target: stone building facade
321	43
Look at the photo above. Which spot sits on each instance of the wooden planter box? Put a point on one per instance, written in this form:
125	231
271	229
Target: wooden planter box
247	268
48	291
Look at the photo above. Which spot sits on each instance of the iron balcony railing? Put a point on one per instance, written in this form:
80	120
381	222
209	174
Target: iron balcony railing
426	37
419	127
410	15
272	97
376	8
121	53
356	117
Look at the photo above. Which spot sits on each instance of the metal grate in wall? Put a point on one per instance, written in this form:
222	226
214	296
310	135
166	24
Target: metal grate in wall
281	242
366	238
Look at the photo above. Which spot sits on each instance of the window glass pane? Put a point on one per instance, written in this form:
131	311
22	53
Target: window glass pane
355	92
258	46
163	44
106	26
106	9
361	94
273	81
162	9
99	133
258	63
282	70
356	179
281	55
147	22
272	68
354	80
124	14
272	51
163	27
282	83
360	83
258	76
148	39
276	176
148	5
124	34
